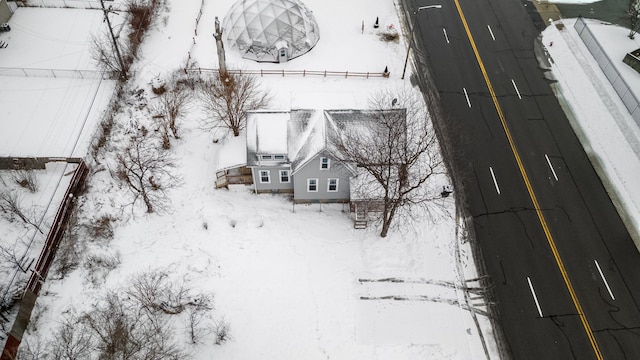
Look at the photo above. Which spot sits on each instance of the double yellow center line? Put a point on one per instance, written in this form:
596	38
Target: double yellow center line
525	177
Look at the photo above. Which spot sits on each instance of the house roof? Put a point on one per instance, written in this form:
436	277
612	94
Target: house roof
266	134
302	134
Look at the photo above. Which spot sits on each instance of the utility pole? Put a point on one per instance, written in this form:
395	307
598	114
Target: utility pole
123	73
222	66
413	26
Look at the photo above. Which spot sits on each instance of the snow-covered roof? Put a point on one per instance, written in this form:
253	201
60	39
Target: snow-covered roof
258	27
266	134
302	134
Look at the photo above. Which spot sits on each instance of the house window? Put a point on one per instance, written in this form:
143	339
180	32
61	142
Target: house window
278	157
284	176
267	157
265	177
332	185
312	185
324	163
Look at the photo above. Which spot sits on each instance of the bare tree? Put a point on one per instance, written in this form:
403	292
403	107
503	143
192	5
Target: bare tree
633	17
172	104
227	99
398	152
11	204
13	257
104	53
73	342
146	170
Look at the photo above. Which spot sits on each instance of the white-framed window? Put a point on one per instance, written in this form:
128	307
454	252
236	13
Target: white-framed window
325	163
312	185
278	157
332	185
266	157
284	176
265	176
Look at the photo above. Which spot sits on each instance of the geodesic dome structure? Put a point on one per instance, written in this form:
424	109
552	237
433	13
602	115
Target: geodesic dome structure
268	30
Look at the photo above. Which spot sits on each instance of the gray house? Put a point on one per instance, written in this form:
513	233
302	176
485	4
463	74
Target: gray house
293	152
5	11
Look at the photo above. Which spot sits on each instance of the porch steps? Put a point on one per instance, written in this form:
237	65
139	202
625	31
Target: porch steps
362	217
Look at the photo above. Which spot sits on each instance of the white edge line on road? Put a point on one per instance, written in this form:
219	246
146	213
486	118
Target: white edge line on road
491	32
466	96
535	298
446	37
495	182
604	280
551	167
516	87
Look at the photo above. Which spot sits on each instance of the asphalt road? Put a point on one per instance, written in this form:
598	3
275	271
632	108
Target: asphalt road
564	271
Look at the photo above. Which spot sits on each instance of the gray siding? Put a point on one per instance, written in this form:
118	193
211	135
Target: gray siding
275	185
311	170
5	12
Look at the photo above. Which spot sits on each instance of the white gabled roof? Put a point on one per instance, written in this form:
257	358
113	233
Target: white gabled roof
301	134
266	133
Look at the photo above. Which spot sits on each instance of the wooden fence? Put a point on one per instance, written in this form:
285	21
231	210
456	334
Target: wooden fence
240	175
303	73
48	253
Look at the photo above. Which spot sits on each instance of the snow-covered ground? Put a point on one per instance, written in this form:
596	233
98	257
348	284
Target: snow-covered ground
48	63
291	280
605	127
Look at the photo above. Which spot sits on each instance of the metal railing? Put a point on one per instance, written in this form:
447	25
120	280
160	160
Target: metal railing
621	87
75	4
54	73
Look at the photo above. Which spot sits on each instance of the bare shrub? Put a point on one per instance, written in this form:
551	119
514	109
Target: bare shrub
68	256
172	103
222	331
121	331
145	170
11	206
105	132
157	293
101	227
228	98
26	179
98	266
142	14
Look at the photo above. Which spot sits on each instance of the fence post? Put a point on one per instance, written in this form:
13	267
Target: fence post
325	73
367	74
346	74
261	74
304	73
282	72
